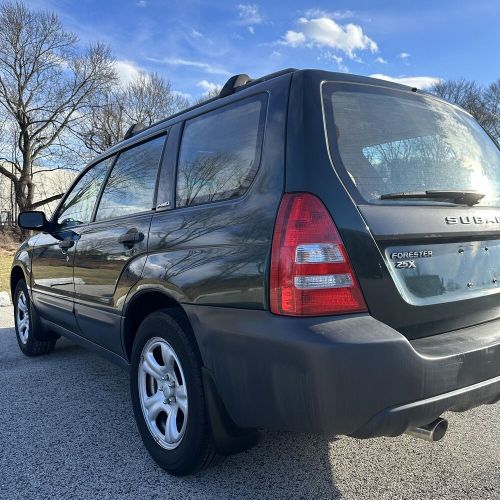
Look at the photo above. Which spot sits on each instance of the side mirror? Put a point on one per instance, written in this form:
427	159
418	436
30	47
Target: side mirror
33	220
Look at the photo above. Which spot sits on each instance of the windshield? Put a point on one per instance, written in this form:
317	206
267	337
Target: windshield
392	141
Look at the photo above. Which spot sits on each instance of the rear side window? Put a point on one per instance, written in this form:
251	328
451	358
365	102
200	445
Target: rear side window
131	185
220	152
79	205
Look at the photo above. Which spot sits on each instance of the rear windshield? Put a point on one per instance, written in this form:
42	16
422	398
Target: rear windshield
391	141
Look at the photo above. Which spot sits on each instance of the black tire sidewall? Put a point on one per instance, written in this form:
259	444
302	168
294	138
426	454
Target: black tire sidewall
185	457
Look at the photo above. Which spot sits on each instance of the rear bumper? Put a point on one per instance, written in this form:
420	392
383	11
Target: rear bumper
395	421
345	375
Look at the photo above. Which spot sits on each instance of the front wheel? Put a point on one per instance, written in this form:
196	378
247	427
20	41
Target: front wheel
29	337
167	395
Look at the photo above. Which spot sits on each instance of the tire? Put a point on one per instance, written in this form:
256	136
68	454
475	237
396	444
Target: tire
29	335
167	395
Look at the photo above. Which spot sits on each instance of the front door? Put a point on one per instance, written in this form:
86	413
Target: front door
52	265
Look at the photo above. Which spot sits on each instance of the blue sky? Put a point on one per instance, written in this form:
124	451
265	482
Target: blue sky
199	44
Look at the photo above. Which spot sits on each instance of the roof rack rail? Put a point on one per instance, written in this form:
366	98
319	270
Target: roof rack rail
133	129
233	83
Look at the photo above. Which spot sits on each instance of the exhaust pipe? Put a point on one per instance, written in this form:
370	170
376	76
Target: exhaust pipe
435	431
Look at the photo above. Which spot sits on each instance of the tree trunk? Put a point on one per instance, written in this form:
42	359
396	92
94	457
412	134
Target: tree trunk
24	186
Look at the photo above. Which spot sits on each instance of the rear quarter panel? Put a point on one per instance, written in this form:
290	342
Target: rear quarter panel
308	168
218	254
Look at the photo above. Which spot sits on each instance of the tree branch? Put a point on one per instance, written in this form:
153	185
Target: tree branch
47	200
10	162
8	174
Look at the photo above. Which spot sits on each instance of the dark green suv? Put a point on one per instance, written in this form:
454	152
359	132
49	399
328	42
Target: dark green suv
310	251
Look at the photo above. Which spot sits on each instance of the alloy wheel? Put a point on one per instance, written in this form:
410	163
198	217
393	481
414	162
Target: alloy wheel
163	393
23	318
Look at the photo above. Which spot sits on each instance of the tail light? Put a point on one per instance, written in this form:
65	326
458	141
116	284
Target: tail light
310	270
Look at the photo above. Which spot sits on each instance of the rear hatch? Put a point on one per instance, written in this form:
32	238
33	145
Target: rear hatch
426	180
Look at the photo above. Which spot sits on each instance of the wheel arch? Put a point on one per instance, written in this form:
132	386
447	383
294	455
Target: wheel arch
141	305
16	275
228	437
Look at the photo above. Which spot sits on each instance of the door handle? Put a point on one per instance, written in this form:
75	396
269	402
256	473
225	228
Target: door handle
66	244
131	237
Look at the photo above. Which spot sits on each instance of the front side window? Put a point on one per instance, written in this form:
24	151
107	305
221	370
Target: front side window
79	204
220	153
131	185
393	142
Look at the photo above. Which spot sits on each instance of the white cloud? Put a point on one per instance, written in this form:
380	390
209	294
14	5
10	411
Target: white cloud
185	95
404	55
141	3
249	14
325	32
330	57
251	29
209	68
381	60
335	14
421	82
196	34
340	63
294	38
208	86
127	71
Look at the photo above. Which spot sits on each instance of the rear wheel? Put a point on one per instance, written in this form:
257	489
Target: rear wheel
167	395
28	332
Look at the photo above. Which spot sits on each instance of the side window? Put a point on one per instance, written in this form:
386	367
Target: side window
78	206
131	186
220	153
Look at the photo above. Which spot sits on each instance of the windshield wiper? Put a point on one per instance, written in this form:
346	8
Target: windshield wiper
465	197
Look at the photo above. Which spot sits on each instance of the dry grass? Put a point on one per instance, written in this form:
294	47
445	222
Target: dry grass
5	263
8	246
9	241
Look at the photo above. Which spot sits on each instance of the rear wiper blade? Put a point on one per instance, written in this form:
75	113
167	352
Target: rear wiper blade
465	197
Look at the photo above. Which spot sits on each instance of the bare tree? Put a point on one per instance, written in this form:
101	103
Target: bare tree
465	93
46	83
209	94
150	97
492	102
147	99
54	182
105	125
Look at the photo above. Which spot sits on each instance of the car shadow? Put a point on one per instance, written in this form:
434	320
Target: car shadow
80	412
283	465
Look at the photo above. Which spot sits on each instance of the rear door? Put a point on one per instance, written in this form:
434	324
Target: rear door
441	257
116	240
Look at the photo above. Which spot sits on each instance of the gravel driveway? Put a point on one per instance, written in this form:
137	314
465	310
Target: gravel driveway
67	431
